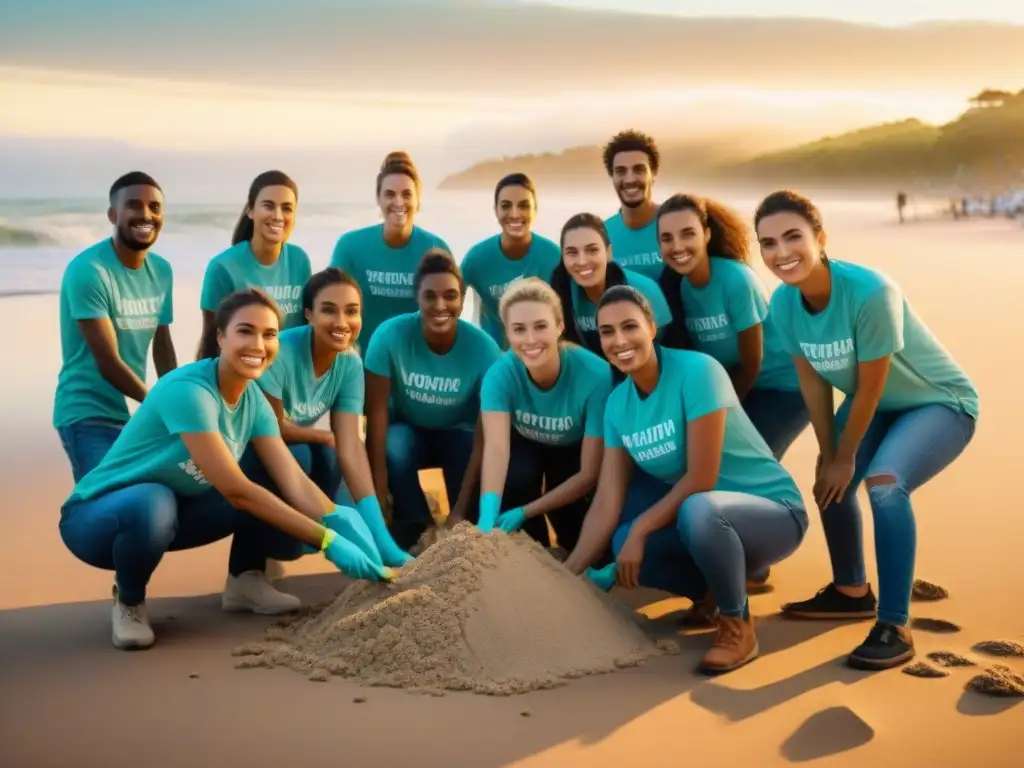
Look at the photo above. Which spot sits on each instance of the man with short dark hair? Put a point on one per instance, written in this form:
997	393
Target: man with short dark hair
631	159
115	300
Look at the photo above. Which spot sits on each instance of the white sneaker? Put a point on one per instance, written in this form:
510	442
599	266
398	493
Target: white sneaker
275	570
131	629
252	592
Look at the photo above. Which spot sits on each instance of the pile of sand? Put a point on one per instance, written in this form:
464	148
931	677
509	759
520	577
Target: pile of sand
494	614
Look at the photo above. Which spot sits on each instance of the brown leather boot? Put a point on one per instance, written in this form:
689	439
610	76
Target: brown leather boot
735	644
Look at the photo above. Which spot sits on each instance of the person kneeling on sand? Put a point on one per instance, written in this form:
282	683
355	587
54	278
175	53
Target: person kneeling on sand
686	479
318	370
423	375
172	481
542	407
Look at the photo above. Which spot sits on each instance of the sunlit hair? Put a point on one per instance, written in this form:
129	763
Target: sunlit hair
399	163
788	201
530	289
631	141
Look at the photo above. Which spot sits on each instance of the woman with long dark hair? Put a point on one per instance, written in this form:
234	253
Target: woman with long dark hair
172	481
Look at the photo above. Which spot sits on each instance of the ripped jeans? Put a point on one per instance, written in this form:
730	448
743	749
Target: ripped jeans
911	447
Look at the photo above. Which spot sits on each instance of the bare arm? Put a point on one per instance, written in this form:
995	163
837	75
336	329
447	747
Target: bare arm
295	486
817	394
604	513
352	458
99	335
497	430
472	475
291	432
751	349
209	453
704	440
576	486
165	359
871	377
378	392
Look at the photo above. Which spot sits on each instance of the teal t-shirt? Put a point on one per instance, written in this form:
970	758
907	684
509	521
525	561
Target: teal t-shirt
149	448
734	300
586	312
635	249
564	414
429	390
384	274
95	285
488	271
237	268
867	317
304	397
652	429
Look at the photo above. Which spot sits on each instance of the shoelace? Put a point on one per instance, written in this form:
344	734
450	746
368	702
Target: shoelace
729	634
132	613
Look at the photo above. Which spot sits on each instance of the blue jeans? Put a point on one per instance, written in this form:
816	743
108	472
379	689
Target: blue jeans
779	417
912	447
86	442
719	537
411	449
129	530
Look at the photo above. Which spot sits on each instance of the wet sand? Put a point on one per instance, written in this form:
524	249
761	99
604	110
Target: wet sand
69	698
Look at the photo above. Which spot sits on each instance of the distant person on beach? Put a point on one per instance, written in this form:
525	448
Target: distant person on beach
423	375
631	159
542	406
908	413
720	307
116	298
586	271
690	494
383	257
318	371
901	203
517	252
172	481
260	255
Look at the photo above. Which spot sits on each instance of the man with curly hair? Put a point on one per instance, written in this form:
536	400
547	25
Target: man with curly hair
631	159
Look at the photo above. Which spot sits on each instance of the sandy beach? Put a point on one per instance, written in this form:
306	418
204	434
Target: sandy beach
67	697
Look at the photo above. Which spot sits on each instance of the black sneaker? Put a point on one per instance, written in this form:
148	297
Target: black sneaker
830	603
887	646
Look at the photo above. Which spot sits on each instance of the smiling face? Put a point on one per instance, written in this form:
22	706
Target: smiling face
632	177
273	215
533	332
398	200
337	316
627	335
789	246
585	256
440	301
249	343
683	241
138	215
515	210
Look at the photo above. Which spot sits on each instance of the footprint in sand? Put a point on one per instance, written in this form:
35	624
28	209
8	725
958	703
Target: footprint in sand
920	669
1006	648
949	659
940	626
997	681
928	592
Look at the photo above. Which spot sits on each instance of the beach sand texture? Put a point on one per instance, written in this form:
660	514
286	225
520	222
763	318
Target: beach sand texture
68	698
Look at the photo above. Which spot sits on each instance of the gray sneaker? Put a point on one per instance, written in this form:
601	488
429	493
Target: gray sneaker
131	629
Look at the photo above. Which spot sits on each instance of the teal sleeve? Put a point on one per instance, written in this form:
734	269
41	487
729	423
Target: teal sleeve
216	285
88	298
351	396
593	425
706	387
780	315
378	355
879	327
340	256
186	407
612	438
495	394
264	422
744	303
273	379
167	310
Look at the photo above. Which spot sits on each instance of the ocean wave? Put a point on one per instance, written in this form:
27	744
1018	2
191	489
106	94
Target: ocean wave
19	236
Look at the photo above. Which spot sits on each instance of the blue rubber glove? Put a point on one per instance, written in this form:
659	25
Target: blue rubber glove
512	520
490	506
351	560
347	523
370	512
603	578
